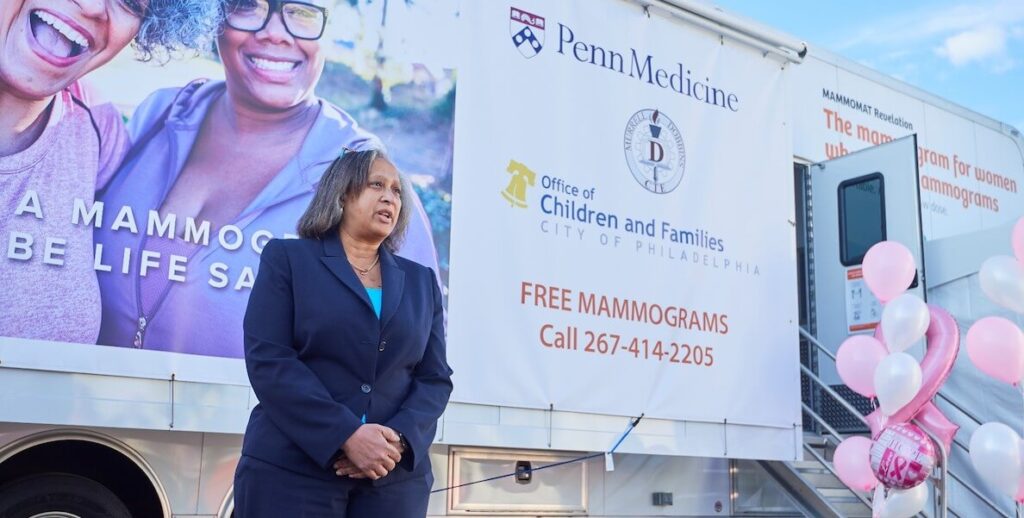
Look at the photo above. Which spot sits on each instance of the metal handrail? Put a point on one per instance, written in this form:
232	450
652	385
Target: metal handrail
811	338
804	333
992	505
942	505
850	408
830	391
821	460
821	348
959	408
941	483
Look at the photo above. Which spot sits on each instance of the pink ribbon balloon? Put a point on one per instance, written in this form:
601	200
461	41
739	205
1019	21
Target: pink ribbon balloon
943	339
932	419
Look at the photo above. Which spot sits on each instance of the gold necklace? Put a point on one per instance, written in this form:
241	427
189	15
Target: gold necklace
364	271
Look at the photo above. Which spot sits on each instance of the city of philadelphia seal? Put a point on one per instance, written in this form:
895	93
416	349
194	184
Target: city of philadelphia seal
654	151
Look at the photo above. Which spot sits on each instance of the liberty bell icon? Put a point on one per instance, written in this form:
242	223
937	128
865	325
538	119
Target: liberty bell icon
522	177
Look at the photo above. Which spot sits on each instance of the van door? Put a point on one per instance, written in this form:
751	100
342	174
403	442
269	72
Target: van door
853	202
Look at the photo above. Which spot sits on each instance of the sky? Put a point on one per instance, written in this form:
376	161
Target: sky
969	52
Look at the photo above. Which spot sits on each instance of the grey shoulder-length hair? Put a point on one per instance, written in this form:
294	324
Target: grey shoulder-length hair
347	176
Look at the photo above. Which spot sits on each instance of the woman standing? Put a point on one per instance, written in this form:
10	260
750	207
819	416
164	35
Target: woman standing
344	345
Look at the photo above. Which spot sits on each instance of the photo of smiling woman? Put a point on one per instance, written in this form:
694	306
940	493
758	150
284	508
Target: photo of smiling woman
345	349
217	168
55	147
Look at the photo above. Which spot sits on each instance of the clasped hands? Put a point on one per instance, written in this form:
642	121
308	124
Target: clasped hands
371	452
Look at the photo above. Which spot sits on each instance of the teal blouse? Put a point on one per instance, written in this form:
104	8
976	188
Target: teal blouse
375	298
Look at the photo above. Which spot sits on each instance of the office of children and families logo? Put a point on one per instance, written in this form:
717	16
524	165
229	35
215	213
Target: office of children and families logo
522	179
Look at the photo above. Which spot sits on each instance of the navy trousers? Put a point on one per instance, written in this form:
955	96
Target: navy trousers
263	490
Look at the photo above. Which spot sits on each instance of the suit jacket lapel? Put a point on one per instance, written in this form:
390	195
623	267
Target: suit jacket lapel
336	261
393	282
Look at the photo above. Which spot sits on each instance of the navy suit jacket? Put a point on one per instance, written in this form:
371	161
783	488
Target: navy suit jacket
319	358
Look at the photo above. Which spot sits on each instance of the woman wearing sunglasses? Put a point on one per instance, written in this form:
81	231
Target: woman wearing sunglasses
241	157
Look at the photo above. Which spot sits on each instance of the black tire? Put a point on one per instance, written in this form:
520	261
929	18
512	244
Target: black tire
59	492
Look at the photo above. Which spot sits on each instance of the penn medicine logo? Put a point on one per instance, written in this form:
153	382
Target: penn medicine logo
655	152
527	32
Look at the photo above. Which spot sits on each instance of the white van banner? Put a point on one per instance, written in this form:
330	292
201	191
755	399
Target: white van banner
622	242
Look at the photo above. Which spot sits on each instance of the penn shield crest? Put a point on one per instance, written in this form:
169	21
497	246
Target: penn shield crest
527	30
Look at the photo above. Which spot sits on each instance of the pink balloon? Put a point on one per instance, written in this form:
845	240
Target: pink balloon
852	462
856	361
996	347
888	269
943	339
1017	238
903	456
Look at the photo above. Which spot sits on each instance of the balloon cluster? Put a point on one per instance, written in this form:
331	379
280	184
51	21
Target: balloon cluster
900	456
995	346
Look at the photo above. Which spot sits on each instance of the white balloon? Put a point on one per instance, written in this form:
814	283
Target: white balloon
996	456
904	321
897	380
1002	280
904	503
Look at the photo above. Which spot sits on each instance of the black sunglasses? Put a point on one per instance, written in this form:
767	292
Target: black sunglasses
302	20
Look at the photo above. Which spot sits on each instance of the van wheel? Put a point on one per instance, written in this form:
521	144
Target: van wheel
59	495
